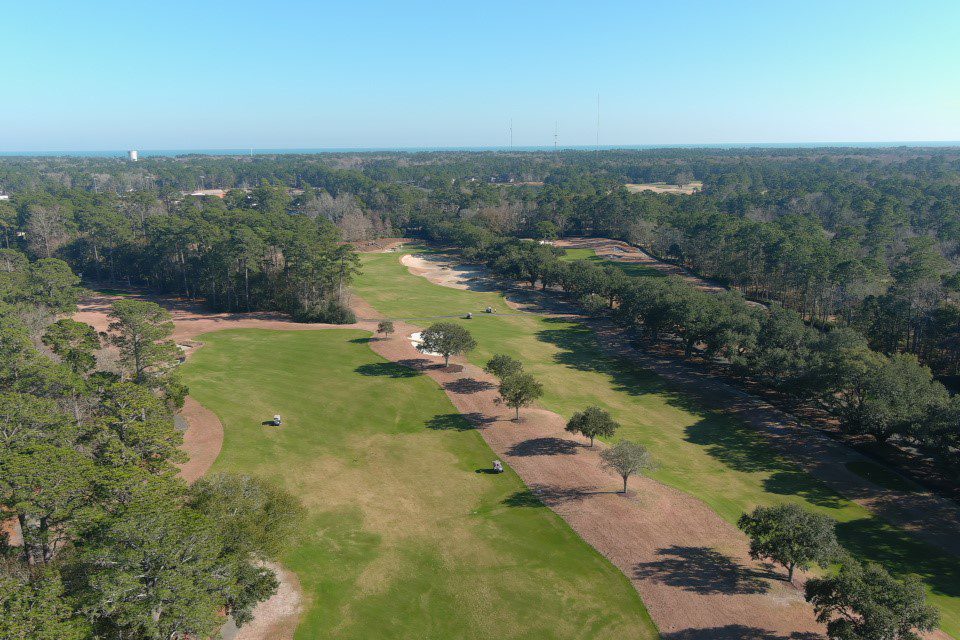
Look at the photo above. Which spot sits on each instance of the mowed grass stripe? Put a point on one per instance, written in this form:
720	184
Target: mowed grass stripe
404	538
708	454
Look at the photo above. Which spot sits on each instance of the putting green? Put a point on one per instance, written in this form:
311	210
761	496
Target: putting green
405	538
705	453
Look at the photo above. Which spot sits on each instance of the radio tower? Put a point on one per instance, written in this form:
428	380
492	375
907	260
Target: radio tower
556	132
598	123
511	133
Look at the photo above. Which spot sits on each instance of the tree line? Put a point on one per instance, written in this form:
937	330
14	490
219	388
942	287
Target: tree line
100	538
859	601
869	392
244	252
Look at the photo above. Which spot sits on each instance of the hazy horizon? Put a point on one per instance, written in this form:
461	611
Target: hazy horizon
237	151
377	75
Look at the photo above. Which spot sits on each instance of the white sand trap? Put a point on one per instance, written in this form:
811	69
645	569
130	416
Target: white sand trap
416	340
440	271
273	619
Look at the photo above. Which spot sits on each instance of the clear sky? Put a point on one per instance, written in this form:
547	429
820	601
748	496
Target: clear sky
197	74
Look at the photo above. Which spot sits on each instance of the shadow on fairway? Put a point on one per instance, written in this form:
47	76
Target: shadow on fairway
702	570
468	385
740	448
387	370
450	422
544	447
539	495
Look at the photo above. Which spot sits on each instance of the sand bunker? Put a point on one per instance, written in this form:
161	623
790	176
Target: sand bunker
416	339
438	270
275	618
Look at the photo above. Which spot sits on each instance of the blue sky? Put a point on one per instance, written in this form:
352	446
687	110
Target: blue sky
216	74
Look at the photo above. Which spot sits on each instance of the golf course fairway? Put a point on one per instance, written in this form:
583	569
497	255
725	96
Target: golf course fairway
406	534
704	453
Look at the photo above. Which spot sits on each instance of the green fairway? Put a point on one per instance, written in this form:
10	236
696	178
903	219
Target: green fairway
705	453
406	537
630	268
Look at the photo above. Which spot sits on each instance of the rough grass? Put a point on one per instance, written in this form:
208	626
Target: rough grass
705	453
405	538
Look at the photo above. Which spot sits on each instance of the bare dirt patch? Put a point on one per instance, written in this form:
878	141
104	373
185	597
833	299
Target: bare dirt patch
663	187
380	245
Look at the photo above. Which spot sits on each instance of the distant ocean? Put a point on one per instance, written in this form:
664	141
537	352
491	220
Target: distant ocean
122	153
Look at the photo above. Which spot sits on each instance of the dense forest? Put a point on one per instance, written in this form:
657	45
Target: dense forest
98	536
855	252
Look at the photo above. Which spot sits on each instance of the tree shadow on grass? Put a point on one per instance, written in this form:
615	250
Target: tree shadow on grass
468	385
737	632
900	553
539	495
579	350
366	340
741	448
387	370
450	422
702	570
544	447
419	364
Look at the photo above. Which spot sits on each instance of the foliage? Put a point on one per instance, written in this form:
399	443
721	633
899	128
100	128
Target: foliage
385	327
503	366
864	602
33	605
592	422
791	536
447	339
140	329
627	459
519	390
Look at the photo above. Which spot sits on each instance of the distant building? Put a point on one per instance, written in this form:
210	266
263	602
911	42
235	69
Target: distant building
4	196
216	193
133	155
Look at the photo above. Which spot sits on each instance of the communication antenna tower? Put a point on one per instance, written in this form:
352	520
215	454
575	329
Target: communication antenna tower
598	123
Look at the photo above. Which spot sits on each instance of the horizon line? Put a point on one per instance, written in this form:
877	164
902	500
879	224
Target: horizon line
426	148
